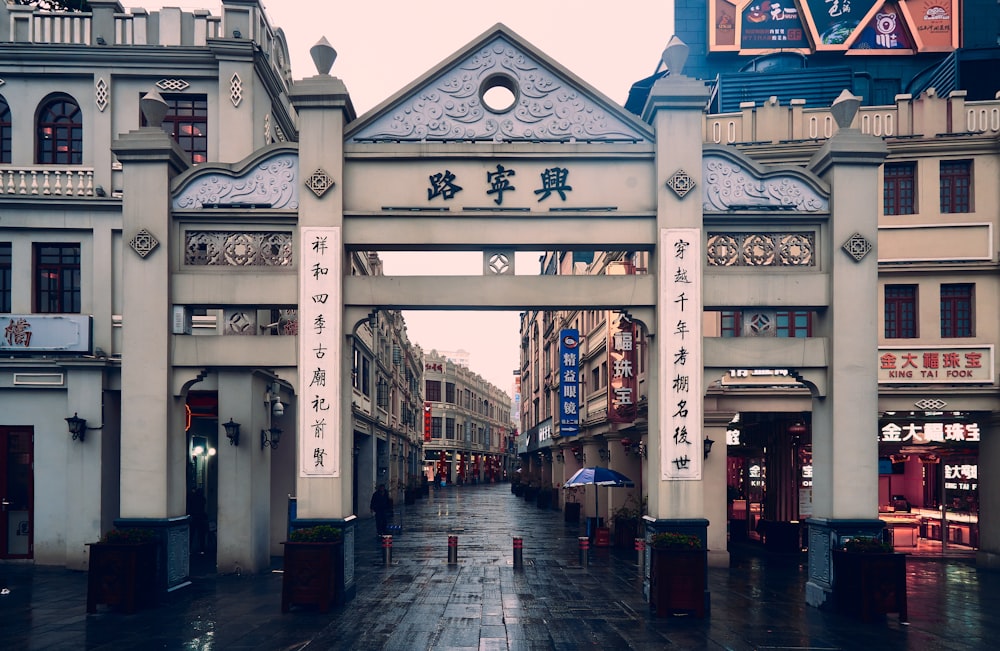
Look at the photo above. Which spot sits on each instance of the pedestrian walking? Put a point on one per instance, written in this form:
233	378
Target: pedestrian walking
381	506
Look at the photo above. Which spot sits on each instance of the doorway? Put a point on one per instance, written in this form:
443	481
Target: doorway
16	492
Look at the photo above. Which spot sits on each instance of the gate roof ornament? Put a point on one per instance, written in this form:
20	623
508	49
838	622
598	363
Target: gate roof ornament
546	102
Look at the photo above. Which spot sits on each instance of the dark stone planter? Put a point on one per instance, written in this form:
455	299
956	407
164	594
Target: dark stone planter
626	531
678	581
870	585
121	575
571	512
311	574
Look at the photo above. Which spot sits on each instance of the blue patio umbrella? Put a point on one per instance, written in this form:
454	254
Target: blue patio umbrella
598	476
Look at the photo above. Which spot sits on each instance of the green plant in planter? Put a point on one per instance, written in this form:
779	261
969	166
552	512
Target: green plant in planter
671	540
319	533
865	545
129	536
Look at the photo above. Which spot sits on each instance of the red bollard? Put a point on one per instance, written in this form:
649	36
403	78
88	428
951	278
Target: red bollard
452	549
640	547
518	550
387	549
584	550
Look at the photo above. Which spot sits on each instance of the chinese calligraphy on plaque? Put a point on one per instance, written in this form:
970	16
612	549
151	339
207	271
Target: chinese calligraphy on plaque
681	438
319	352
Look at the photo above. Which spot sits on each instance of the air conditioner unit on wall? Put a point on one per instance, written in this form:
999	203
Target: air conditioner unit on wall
182	320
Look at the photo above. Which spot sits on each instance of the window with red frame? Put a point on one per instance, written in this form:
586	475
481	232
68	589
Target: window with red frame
956	310
57	278
956	186
900	311
899	187
187	123
59	138
788	324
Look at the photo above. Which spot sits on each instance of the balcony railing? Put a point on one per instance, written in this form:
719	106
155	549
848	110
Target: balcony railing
46	181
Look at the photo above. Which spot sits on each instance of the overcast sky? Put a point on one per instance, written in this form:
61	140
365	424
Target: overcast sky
383	45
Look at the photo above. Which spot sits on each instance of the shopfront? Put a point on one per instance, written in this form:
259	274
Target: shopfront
929	479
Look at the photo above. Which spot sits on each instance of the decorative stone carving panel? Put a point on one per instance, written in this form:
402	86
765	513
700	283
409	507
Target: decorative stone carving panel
543	106
761	250
239	321
173	85
728	186
237	249
270	183
101	92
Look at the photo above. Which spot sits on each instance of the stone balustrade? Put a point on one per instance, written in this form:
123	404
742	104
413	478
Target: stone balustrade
47	181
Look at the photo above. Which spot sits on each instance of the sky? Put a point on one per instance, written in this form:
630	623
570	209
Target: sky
384	45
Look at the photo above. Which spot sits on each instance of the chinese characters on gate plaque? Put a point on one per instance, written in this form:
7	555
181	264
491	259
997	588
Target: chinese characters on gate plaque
499	181
681	439
319	352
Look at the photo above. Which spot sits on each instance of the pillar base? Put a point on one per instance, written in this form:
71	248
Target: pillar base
825	535
173	549
348	589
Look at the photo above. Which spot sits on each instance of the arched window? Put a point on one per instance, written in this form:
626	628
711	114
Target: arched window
5	131
59	138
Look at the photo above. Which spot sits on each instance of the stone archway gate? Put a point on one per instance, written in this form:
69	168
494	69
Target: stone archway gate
442	166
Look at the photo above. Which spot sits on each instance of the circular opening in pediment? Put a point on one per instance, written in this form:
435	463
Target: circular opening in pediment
498	93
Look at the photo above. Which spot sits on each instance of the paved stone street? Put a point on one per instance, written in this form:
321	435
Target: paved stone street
481	602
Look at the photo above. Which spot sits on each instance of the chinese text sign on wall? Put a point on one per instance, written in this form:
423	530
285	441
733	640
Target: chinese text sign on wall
681	305
622	387
569	382
319	352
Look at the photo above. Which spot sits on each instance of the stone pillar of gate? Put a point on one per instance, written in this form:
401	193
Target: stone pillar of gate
675	109
714	472
845	421
988	554
153	445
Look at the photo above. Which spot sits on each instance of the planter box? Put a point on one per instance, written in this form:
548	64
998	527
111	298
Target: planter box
678	581
870	585
311	574
121	575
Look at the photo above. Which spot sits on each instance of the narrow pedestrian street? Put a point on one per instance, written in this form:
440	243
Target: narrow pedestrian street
421	601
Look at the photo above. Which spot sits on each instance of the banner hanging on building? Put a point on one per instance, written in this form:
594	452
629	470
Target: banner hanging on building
680	354
622	386
319	352
569	382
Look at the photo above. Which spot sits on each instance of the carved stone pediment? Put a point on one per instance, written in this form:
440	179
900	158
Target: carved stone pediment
730	184
271	182
544	103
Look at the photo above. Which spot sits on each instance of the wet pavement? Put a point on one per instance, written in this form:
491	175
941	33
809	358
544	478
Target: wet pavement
421	601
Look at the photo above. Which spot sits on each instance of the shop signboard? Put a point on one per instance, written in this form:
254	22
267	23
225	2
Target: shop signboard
935	365
569	382
45	333
934	23
766	25
940	432
622	386
885	33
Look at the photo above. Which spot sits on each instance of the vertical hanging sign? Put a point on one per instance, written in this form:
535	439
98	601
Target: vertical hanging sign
569	382
622	366
319	352
680	354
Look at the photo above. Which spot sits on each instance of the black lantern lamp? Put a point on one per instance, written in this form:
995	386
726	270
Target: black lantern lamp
232	432
708	443
77	427
269	438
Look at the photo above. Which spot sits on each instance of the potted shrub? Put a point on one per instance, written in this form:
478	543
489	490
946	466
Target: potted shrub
678	574
122	570
626	521
571	512
869	579
312	567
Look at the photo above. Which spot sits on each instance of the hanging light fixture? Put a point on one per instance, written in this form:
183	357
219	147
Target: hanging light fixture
232	432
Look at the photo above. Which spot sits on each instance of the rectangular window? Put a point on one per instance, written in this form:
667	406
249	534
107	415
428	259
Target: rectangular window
356	370
956	310
900	311
5	276
433	391
435	427
187	123
57	278
956	185
449	428
449	392
366	375
794	324
899	189
731	324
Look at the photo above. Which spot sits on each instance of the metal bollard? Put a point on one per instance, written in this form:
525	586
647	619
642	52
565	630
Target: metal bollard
640	547
387	549
452	549
518	551
584	550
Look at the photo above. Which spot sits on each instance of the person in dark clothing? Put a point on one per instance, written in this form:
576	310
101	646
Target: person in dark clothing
381	506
